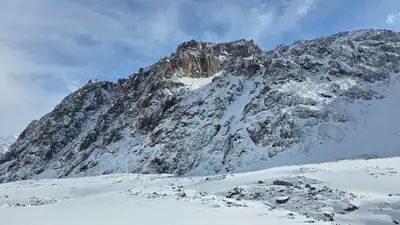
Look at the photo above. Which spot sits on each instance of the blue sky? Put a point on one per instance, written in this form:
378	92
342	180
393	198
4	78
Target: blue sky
49	48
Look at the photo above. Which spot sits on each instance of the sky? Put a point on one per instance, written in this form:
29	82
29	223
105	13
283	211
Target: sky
49	49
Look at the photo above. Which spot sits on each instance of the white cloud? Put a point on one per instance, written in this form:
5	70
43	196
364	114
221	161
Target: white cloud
49	48
393	19
41	57
253	19
304	7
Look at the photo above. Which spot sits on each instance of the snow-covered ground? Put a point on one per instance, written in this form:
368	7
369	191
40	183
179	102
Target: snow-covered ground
346	192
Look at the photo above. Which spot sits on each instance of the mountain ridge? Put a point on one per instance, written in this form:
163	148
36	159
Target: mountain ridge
213	108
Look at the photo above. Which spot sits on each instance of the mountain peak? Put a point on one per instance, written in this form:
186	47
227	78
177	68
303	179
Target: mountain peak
194	45
204	59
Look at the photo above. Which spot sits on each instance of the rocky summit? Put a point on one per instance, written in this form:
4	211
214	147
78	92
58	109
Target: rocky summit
224	107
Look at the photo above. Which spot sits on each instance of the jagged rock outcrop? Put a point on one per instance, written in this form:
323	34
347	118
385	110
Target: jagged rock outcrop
210	108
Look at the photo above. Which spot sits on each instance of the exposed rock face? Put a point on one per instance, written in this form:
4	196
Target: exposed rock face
202	65
209	108
206	59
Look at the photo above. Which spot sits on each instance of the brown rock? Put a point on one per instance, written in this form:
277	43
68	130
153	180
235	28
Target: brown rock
204	65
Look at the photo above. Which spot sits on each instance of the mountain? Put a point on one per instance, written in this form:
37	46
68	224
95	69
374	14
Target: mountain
225	107
6	142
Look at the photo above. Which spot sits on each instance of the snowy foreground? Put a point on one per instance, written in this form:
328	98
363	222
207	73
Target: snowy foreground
346	192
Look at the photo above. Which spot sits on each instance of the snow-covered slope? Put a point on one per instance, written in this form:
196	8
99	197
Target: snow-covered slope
356	192
222	108
6	142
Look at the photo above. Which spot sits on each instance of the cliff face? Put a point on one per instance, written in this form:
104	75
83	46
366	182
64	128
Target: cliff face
215	108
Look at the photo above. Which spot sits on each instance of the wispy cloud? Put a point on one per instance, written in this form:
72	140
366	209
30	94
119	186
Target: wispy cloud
49	48
393	19
221	21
